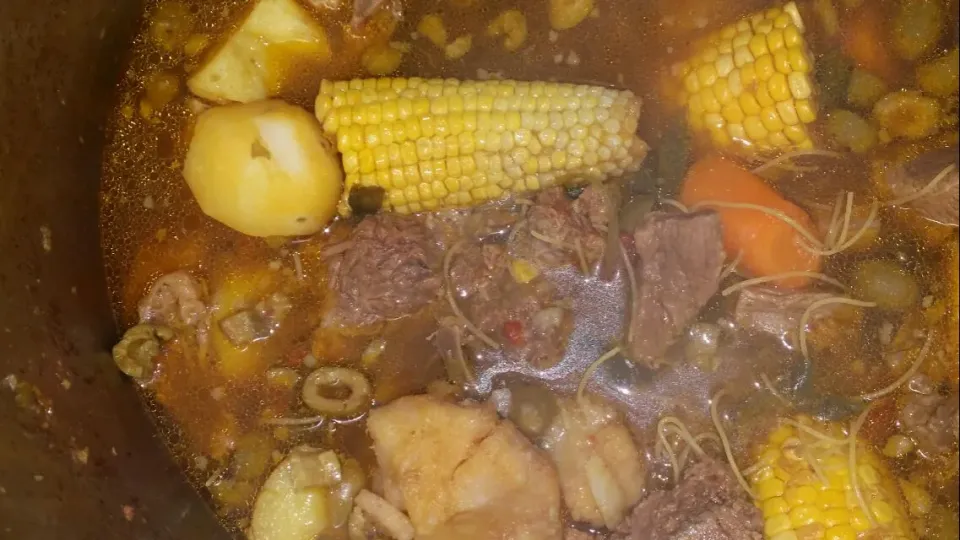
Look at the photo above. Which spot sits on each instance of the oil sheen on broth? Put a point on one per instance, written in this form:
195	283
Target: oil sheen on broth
850	330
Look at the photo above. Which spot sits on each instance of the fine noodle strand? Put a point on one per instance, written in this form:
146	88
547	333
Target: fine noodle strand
892	387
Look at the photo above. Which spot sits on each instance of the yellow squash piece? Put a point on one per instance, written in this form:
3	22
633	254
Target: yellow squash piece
748	86
803	487
277	38
432	144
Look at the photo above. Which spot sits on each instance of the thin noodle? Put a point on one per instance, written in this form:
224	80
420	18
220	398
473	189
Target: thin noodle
925	189
807	235
772	390
674	463
847	214
293	421
453	302
817	470
812	432
854	474
584	267
632	282
831	237
819	303
681	430
776	277
676	204
732	267
790	155
874	208
726	443
549	239
905	377
593	367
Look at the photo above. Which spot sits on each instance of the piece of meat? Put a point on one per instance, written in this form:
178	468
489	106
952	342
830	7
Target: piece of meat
460	472
259	322
593	205
601	473
390	269
678	262
175	299
557	232
529	320
771	311
933	421
706	505
941	203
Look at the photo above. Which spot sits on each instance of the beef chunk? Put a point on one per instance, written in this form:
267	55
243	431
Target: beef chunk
391	268
529	320
557	230
933	421
175	299
769	311
679	258
942	203
706	505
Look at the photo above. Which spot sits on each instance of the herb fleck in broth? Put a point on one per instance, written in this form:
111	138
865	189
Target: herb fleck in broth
232	412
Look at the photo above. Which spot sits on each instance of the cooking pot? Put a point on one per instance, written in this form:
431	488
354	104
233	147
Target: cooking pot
78	454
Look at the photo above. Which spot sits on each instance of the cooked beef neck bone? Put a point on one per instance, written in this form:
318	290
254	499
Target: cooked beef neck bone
940	204
678	261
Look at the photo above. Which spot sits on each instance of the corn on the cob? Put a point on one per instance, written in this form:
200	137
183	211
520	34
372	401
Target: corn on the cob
803	487
434	144
748	85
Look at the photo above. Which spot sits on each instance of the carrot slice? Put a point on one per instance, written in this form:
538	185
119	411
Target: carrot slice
864	40
767	245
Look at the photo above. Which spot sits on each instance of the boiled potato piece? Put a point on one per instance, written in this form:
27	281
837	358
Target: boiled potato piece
292	504
277	38
264	169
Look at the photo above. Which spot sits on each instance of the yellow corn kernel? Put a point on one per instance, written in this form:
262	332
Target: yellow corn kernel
764	98
882	512
523	271
722	90
832	498
749	104
788	112
781	62
795	133
775	40
859	521
707	75
774	506
800	495
918	500
748	75
770	118
431	27
764	67
776	525
742	56
724	64
805	110
802	516
792	36
778	87
512	24
732	113
841	532
837	516
799	85
709	101
381	60
758	46
458	47
771	487
735	83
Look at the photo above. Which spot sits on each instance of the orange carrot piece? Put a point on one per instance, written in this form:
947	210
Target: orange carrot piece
864	40
768	246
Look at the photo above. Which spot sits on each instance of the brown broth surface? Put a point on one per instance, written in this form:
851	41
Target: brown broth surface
151	226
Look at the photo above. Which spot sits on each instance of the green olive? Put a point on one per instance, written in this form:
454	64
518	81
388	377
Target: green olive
887	284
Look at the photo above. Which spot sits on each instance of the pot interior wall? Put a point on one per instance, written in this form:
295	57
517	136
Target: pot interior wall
78	454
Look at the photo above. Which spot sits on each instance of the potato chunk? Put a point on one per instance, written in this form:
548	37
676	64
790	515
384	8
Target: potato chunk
292	504
264	169
277	38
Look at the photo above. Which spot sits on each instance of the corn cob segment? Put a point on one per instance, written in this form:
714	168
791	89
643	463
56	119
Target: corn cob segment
803	487
445	143
748	86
